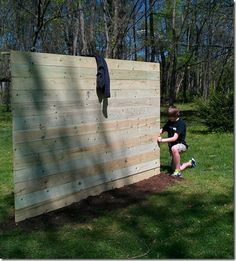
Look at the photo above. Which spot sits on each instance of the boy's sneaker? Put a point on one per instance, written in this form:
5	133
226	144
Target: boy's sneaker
177	174
193	162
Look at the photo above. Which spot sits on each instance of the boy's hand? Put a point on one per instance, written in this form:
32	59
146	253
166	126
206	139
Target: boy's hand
159	139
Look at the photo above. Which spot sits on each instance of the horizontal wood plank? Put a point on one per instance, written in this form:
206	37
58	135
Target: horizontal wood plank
82	84
56	203
40	109
86	159
81	141
26	200
38	72
22	136
23	161
83	117
78	61
26	187
51	96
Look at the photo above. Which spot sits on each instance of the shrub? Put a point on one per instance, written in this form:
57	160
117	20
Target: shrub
218	111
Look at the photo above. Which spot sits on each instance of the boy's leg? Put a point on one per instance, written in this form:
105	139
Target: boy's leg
176	156
191	163
185	165
172	163
176	151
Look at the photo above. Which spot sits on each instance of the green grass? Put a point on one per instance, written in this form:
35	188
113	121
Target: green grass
191	219
6	176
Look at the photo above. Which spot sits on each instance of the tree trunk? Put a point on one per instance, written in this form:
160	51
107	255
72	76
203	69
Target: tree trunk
185	83
75	34
116	27
146	31
92	44
69	32
119	25
151	27
186	70
105	18
42	8
163	77
84	50
172	86
134	35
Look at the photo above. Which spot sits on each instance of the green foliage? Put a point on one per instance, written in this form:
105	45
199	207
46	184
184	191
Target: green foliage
217	112
227	82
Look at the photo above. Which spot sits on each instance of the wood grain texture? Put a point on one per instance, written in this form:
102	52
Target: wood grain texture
86	116
47	152
68	143
50	96
85	159
81	84
60	202
60	72
71	130
78	61
112	167
82	183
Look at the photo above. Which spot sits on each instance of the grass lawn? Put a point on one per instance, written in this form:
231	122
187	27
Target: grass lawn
191	219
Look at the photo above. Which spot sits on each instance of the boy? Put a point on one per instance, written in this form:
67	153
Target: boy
176	129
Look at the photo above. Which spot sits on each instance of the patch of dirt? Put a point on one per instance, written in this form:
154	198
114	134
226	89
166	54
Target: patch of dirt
95	206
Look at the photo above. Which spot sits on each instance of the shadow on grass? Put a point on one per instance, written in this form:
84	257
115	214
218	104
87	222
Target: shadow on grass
182	221
5	209
167	223
95	206
166	168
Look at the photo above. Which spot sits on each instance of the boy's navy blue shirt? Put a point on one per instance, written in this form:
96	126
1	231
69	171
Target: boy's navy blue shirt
173	127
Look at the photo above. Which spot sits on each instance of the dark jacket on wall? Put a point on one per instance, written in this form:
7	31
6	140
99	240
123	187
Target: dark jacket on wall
103	78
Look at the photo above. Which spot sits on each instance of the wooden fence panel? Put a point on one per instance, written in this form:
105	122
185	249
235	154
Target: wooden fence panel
68	143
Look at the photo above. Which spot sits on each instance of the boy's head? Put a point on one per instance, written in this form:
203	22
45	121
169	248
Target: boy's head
172	113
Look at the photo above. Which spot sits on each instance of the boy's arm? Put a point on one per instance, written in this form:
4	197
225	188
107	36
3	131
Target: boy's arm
171	139
162	130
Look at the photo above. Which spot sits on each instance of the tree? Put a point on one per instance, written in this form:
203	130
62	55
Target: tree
192	40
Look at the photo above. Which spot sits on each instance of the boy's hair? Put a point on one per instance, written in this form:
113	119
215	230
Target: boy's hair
173	111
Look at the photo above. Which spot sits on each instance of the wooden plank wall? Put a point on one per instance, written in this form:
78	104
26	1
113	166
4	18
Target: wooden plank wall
67	142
